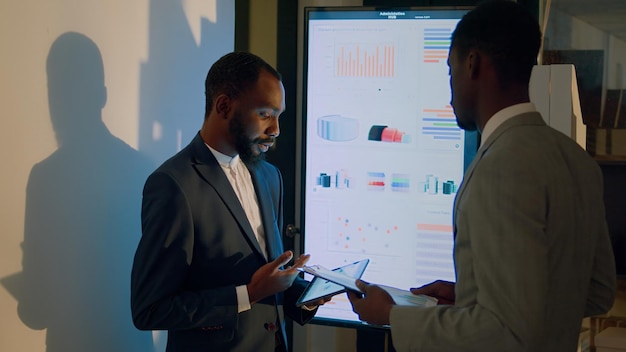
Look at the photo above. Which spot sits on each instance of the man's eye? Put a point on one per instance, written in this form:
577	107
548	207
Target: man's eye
265	114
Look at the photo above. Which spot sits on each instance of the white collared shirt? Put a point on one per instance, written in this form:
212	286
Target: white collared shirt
241	181
503	115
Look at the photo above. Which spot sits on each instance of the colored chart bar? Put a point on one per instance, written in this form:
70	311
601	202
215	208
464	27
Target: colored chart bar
440	124
434	227
368	61
436	44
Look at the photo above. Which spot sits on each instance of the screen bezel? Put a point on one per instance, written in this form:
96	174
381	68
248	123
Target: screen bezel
472	138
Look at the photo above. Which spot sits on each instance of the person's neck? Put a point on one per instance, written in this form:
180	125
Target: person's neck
502	100
210	136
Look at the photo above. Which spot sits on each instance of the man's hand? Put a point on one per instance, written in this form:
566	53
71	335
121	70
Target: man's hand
442	290
271	279
373	306
314	305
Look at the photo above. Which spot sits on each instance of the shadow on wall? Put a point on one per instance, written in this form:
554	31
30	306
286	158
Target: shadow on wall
172	79
82	221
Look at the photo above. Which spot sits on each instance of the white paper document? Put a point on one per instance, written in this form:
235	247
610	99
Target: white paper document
400	296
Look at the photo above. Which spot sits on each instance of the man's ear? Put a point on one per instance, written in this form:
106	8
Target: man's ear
223	105
473	63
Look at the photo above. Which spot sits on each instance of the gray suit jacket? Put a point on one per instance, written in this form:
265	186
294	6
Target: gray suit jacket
197	246
532	251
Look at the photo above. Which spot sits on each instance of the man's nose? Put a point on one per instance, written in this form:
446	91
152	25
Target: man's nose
273	129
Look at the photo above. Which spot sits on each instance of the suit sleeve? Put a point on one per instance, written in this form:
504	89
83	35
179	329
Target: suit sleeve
297	314
501	259
291	295
603	276
161	263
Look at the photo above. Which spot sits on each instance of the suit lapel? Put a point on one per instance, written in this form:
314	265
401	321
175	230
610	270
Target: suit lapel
211	171
532	118
263	192
469	172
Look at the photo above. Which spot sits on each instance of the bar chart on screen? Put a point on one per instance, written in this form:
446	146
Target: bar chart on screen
365	60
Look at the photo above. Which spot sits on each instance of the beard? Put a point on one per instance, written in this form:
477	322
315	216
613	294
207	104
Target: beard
243	144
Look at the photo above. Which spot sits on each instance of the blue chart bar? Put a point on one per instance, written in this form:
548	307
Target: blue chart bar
441	128
436	44
437	38
400	182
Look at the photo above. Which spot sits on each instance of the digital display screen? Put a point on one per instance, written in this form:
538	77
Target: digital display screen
383	154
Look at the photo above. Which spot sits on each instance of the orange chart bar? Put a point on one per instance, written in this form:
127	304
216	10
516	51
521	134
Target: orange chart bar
379	61
434	227
438	110
447	111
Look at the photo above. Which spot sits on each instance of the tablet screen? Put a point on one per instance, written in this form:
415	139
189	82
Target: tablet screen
320	288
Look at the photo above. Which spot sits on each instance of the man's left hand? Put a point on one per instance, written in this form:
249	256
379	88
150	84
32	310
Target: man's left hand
373	306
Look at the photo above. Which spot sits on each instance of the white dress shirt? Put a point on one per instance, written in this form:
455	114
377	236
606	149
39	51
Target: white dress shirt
499	117
241	181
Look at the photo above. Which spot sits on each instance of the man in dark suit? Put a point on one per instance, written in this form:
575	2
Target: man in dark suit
210	264
532	253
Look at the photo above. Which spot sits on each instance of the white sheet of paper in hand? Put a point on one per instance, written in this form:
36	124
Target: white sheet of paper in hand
406	298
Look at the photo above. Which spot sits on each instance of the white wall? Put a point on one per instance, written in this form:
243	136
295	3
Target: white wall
564	32
75	154
263	30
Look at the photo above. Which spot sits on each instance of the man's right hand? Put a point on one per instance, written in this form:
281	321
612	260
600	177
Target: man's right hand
442	290
271	279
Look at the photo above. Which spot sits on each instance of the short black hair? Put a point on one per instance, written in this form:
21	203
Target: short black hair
232	74
507	33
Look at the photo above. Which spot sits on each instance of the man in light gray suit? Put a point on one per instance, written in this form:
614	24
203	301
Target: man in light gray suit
532	252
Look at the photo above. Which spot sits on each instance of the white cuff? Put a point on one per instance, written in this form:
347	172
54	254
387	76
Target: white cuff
243	300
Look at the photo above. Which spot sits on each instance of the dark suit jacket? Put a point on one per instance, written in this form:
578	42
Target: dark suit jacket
197	246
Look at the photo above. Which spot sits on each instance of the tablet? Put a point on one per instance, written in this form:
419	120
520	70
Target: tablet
320	288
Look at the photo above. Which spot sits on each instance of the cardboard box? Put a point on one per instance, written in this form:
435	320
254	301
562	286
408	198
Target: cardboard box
611	339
